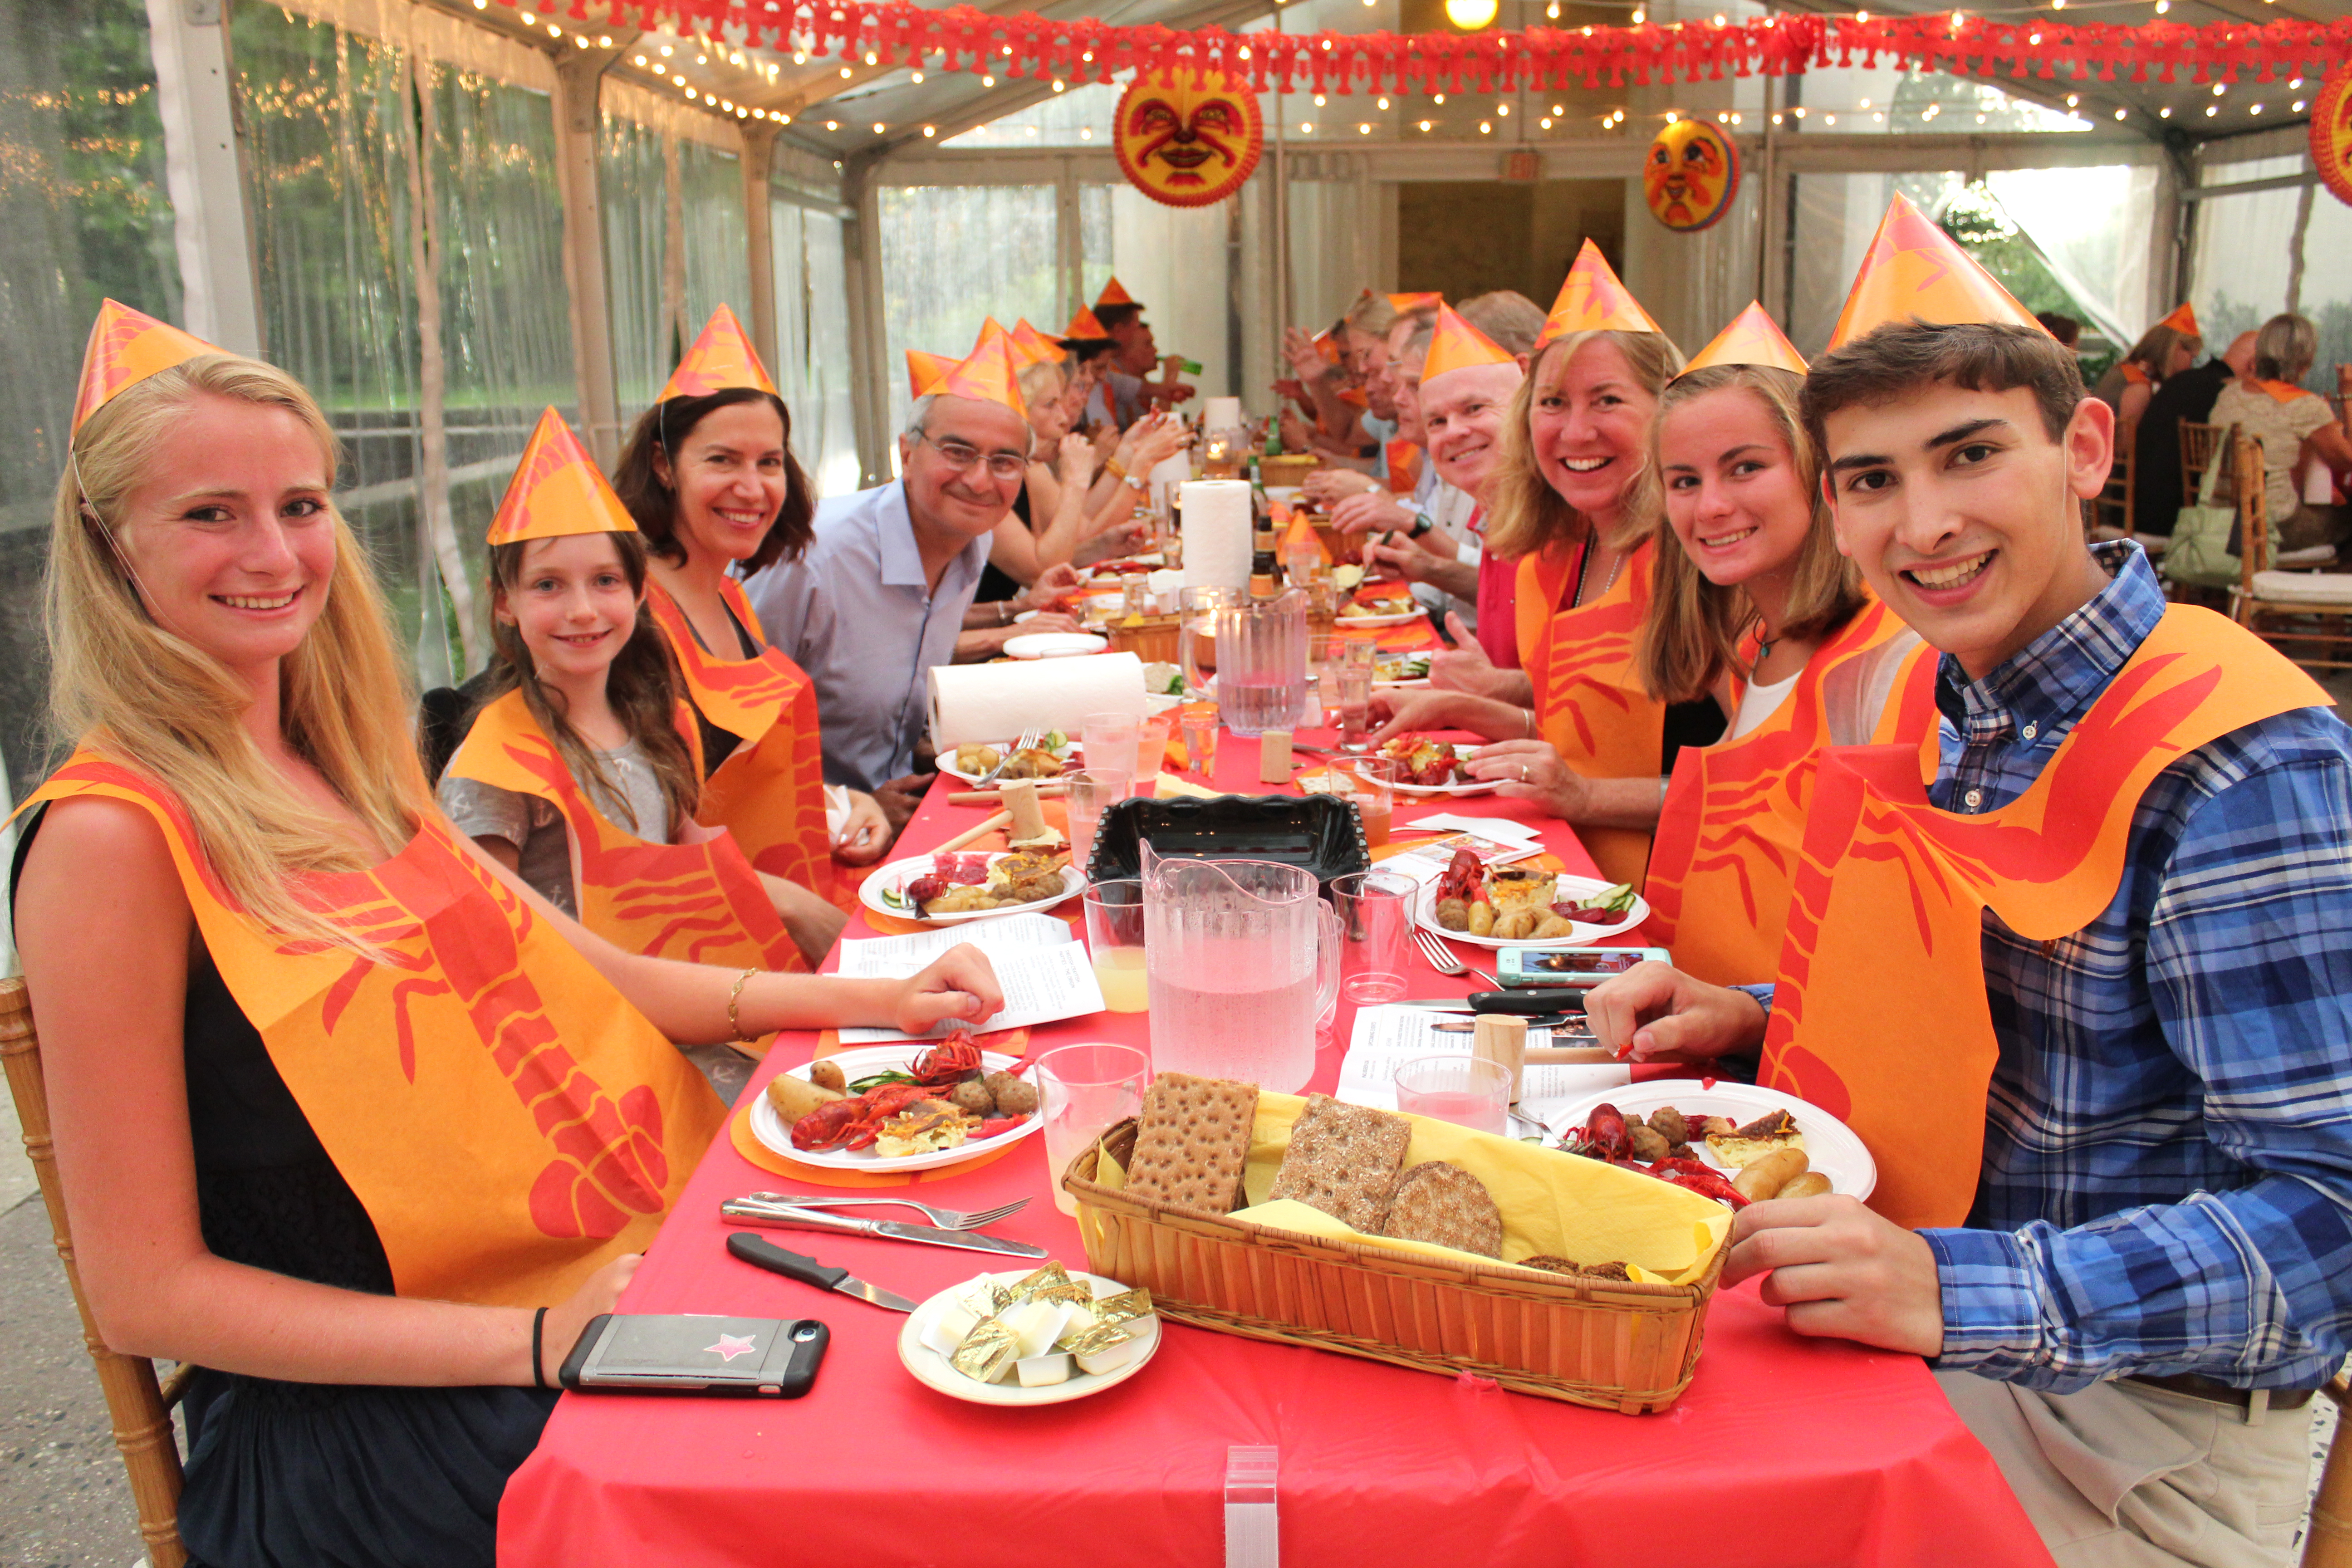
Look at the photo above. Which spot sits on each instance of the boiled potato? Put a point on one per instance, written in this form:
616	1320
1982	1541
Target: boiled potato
1454	914
1552	926
1482	919
794	1098
827	1075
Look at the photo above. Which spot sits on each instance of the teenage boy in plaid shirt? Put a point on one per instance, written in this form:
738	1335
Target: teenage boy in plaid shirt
2155	1273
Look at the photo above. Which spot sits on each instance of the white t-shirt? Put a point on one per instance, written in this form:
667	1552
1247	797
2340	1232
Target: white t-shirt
1759	702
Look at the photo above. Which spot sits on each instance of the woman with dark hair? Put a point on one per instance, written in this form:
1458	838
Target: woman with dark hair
709	475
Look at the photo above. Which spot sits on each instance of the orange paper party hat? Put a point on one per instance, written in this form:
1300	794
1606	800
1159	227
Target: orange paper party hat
1915	268
2183	319
1401	303
924	371
1458	345
557	489
1084	328
720	358
127	347
1113	294
1753	338
1592	300
986	375
1031	346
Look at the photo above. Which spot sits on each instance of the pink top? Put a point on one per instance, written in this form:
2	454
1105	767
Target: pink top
1498	594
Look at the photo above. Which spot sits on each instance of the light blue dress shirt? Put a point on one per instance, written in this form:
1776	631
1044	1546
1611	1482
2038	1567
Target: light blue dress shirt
857	613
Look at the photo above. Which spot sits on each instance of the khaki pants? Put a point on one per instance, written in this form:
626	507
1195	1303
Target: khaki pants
2123	1476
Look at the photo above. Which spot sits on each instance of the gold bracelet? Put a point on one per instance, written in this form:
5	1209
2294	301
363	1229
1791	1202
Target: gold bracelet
1532	730
1115	468
734	1000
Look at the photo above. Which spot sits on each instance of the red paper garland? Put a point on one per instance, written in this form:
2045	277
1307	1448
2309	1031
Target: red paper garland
1080	50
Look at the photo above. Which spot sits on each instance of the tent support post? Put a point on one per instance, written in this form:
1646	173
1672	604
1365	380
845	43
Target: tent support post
578	73
758	148
204	168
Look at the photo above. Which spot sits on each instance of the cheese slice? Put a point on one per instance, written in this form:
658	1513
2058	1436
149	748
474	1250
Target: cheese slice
1740	1152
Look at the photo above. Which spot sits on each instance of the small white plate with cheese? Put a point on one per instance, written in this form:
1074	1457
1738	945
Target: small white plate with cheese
945	1319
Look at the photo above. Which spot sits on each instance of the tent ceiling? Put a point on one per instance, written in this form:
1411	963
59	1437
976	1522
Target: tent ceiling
841	109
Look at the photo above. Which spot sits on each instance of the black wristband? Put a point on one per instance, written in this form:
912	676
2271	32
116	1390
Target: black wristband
537	1328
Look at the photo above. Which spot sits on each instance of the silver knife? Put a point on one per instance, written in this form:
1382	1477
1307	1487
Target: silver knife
760	1251
784	1217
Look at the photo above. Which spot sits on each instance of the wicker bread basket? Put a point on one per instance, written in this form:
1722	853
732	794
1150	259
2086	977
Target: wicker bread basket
1152	639
1611	1345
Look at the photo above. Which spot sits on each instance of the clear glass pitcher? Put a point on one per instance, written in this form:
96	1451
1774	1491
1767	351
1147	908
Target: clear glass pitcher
1241	960
1262	663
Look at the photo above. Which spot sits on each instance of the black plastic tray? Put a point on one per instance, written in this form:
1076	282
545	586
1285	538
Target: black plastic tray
1321	834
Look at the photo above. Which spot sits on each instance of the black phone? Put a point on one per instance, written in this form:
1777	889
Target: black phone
696	1352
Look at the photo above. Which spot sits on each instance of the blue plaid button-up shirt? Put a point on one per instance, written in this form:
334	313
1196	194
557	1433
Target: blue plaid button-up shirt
2168	1163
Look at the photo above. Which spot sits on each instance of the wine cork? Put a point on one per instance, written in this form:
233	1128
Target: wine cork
1021	802
1273	757
1501	1037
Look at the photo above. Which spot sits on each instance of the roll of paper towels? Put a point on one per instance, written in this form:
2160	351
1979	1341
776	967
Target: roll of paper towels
1217	533
1221	414
995	702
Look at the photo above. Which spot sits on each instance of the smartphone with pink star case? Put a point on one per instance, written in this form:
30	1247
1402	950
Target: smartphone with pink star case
692	1352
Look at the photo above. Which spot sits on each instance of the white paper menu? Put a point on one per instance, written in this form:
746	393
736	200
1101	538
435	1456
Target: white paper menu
1045	971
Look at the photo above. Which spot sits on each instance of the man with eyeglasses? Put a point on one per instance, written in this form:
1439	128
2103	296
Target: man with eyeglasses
886	588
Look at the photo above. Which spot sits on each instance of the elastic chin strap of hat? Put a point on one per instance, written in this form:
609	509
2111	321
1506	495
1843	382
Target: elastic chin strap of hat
82	504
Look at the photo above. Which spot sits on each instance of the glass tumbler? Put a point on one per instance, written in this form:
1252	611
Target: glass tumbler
1375	915
1109	741
1083	1091
1090	793
1371	785
1200	737
1114	942
1468	1091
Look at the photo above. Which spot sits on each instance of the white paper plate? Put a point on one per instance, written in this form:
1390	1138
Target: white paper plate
770	1130
1395	618
1831	1146
1055	645
932	1370
1473	786
1066	751
1424	911
898	873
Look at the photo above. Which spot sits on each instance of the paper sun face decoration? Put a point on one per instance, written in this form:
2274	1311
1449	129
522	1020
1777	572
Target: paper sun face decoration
1690	175
2331	134
1187	137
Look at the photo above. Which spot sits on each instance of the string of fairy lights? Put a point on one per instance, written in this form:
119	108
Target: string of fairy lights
666	63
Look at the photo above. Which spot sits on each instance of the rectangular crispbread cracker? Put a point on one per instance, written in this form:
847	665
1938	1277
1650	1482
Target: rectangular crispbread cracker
1343	1160
1192	1141
1444	1204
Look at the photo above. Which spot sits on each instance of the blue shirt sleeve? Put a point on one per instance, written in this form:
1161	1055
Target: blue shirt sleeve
2251	981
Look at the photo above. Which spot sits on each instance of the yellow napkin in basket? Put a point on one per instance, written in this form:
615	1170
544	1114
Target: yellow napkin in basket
1562	1205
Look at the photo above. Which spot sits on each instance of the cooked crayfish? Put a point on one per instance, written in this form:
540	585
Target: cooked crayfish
856	1122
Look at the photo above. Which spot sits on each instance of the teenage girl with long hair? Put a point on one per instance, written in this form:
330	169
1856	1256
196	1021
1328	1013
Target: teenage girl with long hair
345	1114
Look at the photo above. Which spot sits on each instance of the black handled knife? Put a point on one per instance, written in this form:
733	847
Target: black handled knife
765	1254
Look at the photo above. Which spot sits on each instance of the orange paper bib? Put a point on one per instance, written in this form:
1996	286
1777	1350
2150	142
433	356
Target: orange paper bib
509	1122
770	792
701	903
1590	701
1734	814
1880	1016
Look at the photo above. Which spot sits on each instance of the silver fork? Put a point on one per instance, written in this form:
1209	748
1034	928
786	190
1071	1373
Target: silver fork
1441	958
945	1219
1028	738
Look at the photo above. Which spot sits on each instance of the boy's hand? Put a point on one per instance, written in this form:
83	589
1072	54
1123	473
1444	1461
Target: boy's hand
1841	1271
1653	1011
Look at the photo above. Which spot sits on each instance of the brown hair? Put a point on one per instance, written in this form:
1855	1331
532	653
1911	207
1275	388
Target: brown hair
1371	313
1524	513
1510	318
1691	634
1982	356
2153	353
641	685
652	502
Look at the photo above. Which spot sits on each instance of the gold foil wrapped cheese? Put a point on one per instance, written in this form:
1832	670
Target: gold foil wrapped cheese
1094	1339
988	1351
1118	1308
1052	1282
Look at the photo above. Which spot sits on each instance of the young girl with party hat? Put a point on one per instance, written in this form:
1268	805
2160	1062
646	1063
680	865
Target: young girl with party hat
581	770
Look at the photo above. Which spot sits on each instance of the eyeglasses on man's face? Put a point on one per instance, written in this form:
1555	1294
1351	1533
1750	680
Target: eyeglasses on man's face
961	456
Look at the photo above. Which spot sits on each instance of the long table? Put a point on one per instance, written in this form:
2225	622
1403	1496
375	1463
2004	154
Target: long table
1784	1451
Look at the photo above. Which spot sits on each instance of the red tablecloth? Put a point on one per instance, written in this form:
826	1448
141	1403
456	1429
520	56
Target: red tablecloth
1784	1451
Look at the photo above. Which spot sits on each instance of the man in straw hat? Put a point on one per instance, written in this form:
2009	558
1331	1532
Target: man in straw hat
2082	992
886	589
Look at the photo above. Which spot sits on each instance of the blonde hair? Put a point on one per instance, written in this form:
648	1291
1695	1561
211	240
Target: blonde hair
1692	631
1524	514
140	694
1040	383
